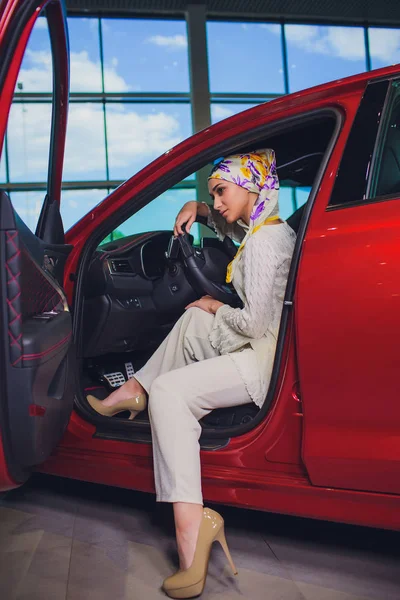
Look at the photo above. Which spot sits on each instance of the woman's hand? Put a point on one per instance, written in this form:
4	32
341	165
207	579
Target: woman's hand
206	303
187	214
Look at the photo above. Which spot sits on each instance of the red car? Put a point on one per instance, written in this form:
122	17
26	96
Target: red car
326	443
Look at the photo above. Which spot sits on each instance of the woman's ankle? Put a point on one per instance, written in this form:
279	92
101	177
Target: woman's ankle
134	386
130	388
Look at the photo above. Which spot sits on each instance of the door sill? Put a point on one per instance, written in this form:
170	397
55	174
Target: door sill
141	437
137	431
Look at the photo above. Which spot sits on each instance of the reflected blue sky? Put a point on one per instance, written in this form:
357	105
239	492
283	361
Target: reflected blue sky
245	57
317	54
159	214
28	205
139	133
224	110
35	73
152	56
146	55
2	170
29	141
384	46
75	204
85	150
85	55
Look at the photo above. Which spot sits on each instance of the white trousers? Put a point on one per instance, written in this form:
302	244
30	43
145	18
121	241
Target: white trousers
186	378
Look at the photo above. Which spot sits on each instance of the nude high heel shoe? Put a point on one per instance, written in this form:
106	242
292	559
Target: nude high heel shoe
134	405
191	582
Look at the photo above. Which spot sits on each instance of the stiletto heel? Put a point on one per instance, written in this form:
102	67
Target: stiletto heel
190	582
134	405
222	540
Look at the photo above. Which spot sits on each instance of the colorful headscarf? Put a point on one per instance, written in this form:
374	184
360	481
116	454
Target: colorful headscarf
255	172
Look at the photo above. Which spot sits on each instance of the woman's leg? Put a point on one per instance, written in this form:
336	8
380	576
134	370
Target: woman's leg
187	342
178	400
187	518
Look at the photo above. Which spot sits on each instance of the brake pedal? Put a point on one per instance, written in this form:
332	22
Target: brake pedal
115	379
130	371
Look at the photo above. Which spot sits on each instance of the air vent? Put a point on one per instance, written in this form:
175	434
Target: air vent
120	266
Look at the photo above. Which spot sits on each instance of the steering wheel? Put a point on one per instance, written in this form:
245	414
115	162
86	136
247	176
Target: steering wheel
195	261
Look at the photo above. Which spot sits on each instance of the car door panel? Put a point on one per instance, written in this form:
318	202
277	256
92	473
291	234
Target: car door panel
38	355
51	256
348	319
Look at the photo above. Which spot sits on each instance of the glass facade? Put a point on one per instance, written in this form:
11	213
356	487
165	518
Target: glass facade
130	100
138	133
384	46
317	54
143	55
233	68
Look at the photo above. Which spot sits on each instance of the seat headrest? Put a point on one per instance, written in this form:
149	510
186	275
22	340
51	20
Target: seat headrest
295	219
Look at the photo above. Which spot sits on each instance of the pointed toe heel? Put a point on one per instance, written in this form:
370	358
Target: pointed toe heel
190	582
134	405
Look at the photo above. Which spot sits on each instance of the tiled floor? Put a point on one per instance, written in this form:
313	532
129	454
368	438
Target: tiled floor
66	540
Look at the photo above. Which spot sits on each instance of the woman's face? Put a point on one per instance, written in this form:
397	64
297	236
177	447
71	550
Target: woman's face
232	201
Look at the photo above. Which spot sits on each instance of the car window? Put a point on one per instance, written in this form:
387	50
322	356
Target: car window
28	130
386	175
352	178
159	214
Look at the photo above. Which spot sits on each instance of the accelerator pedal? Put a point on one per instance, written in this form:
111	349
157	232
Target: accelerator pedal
114	380
130	371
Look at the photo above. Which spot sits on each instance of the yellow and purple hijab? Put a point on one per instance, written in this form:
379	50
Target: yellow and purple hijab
255	172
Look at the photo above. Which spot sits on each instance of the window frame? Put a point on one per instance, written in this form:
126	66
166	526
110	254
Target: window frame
199	160
17	37
392	98
202	18
206	157
368	165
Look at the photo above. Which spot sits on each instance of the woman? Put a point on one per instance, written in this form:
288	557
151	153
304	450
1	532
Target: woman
215	356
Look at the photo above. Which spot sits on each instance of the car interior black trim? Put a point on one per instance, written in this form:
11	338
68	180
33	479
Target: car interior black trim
21	17
367	202
354	168
105	433
387	104
156	189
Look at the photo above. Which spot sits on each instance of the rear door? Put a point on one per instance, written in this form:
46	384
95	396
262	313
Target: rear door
37	360
348	308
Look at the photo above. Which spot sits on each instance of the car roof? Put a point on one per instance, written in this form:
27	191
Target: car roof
330	90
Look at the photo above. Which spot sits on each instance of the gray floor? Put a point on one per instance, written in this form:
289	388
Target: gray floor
66	540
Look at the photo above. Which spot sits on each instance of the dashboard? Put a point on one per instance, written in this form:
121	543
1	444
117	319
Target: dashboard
130	257
134	289
131	289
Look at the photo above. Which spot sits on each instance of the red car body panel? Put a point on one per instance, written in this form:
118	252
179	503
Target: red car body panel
352	417
328	447
262	470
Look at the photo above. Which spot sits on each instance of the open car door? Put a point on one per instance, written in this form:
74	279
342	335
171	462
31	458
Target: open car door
37	358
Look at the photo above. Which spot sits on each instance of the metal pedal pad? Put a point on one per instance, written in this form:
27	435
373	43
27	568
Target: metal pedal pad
130	371
114	379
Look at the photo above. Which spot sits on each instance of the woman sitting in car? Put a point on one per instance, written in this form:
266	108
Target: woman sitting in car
215	356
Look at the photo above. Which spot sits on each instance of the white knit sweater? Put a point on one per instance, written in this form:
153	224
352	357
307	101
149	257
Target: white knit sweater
260	280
